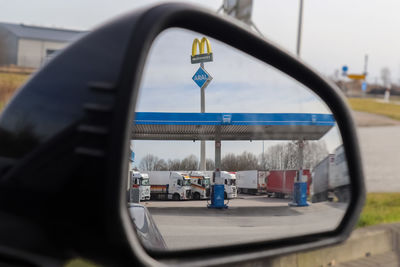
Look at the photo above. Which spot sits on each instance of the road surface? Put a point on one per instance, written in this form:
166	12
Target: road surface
189	224
380	149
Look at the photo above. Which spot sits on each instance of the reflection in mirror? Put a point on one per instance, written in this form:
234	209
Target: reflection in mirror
247	155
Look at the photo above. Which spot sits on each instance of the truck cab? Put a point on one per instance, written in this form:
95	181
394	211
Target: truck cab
229	179
200	185
180	186
141	181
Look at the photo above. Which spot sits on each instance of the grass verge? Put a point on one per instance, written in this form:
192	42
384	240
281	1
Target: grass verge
9	83
369	105
380	208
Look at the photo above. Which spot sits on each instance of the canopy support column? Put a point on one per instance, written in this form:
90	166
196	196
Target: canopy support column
300	157
218	188
218	154
300	186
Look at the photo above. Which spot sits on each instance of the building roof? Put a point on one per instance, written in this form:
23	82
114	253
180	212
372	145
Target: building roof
42	33
231	126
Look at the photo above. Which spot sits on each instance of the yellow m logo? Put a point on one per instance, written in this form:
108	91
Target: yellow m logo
201	44
201	57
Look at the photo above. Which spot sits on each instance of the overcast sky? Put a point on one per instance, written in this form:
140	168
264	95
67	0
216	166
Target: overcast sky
241	84
336	32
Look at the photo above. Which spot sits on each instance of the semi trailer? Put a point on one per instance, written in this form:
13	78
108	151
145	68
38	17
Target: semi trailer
280	182
252	181
331	178
170	185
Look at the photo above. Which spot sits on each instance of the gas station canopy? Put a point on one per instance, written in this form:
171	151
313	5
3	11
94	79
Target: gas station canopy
231	126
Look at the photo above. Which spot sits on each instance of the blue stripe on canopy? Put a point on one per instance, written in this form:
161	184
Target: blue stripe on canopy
231	126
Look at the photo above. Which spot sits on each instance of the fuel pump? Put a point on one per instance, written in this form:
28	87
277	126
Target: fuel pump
217	192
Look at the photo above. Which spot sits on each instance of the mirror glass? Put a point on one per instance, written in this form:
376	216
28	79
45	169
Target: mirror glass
226	149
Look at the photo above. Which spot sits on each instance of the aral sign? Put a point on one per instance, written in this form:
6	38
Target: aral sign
201	77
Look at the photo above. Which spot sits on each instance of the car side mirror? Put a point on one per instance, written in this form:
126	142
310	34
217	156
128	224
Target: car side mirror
66	137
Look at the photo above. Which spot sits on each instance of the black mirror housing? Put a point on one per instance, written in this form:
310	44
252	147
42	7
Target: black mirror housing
64	149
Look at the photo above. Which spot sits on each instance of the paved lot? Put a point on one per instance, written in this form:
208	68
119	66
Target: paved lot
380	149
189	224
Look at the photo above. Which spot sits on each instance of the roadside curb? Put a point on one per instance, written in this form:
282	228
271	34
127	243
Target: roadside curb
362	244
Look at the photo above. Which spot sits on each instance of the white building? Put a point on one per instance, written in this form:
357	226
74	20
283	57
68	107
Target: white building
32	46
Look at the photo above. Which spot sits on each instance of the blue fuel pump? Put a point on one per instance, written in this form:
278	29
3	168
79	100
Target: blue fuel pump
299	193
217	193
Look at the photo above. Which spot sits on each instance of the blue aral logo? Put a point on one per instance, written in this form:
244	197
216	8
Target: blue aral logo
201	77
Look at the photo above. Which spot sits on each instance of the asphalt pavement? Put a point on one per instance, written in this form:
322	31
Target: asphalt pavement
190	224
380	151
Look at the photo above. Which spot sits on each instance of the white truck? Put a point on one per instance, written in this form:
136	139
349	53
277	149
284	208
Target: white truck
252	181
200	183
229	178
339	183
141	181
170	185
331	178
320	178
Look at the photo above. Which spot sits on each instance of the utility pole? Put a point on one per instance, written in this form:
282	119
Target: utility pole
299	28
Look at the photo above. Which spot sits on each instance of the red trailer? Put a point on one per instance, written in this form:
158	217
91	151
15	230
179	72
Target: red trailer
280	182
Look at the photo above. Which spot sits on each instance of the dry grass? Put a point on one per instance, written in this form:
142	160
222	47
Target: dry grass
380	208
9	83
391	110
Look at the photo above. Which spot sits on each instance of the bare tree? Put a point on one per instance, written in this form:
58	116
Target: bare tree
190	163
161	165
247	161
152	163
148	162
314	152
174	165
229	162
244	161
210	165
285	156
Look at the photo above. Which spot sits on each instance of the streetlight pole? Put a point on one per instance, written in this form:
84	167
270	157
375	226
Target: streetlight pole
299	28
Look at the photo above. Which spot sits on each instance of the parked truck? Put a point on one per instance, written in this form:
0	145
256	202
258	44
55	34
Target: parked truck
321	173
141	181
339	184
252	181
200	183
229	180
331	178
170	185
280	182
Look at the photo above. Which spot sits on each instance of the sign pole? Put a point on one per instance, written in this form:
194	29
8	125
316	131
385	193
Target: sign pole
202	110
202	79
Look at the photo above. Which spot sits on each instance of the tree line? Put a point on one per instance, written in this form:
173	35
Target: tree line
278	157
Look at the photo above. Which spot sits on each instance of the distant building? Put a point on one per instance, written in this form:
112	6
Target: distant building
32	46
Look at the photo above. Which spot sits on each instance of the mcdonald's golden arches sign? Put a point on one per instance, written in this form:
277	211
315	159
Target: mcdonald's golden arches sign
201	57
